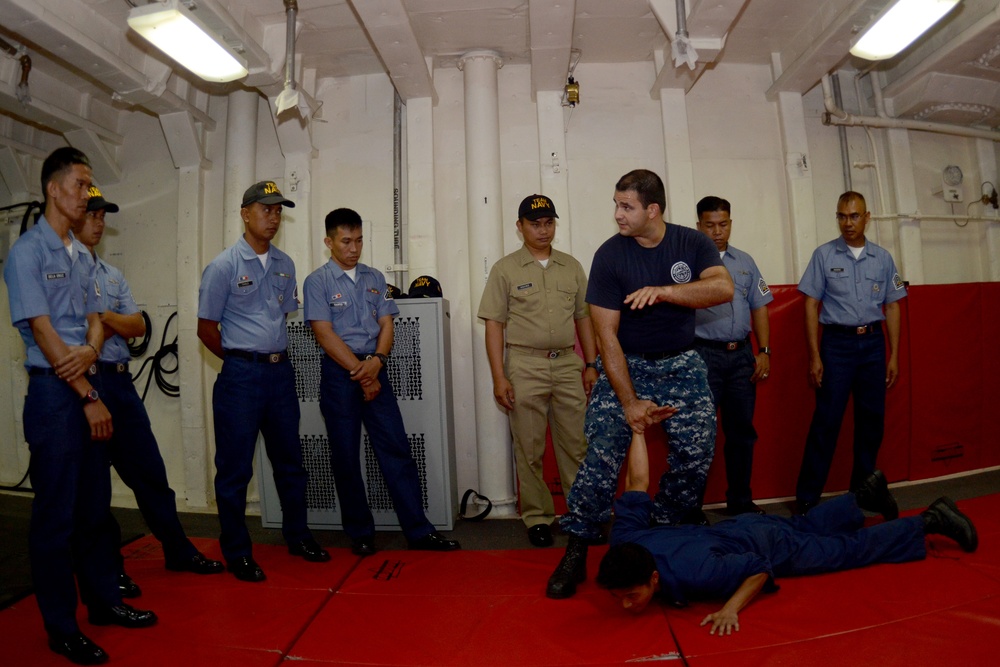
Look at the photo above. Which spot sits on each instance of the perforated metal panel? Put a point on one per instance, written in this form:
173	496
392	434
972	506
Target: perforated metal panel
420	373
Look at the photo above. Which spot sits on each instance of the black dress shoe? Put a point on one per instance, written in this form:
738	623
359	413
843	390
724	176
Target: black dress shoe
540	535
434	542
735	509
874	495
246	569
124	615
128	588
944	518
310	550
572	570
197	564
78	648
363	546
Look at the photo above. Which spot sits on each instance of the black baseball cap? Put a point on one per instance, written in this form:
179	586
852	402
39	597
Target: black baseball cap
97	201
266	192
535	207
424	286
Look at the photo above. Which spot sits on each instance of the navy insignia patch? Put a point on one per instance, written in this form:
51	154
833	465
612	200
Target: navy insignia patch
897	281
763	288
387	296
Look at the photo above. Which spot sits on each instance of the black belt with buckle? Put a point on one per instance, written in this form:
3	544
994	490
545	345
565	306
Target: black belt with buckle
730	345
535	352
113	366
864	329
657	356
259	357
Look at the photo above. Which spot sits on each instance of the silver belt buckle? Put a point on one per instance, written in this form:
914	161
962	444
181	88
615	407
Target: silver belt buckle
731	346
862	330
553	354
274	358
120	367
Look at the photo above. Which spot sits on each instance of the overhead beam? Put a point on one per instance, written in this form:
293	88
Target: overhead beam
550	26
708	25
388	27
822	45
74	33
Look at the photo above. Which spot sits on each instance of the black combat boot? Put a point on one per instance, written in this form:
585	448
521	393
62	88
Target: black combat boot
572	570
874	495
944	518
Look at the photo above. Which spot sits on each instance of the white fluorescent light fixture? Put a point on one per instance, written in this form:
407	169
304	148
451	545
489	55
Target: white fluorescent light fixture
899	25
182	35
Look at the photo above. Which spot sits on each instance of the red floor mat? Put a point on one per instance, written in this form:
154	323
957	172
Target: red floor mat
488	608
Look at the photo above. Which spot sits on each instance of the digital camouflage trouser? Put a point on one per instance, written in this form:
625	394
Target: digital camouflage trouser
680	381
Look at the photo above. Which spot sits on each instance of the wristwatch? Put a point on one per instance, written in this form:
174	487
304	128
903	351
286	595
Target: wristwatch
90	397
765	350
384	358
591	364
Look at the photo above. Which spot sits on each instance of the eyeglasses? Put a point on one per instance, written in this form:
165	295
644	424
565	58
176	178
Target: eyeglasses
853	217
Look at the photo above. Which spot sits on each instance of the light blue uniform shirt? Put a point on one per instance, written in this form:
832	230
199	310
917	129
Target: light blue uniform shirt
43	280
853	291
116	297
353	308
731	321
250	300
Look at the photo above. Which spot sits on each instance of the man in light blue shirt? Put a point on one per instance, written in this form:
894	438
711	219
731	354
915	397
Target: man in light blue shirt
722	338
350	311
853	280
54	304
133	449
245	294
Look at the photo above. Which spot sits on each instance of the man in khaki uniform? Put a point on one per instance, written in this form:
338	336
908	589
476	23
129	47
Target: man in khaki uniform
537	295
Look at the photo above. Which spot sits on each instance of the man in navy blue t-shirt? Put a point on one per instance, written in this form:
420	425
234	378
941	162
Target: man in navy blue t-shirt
645	284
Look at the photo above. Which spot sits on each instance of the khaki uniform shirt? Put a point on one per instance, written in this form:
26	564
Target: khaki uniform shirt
539	306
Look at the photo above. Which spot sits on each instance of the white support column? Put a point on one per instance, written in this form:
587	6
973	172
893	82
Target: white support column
911	259
482	170
986	153
191	366
241	159
420	214
552	162
798	180
679	176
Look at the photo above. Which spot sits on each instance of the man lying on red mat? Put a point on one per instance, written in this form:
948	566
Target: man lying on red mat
739	557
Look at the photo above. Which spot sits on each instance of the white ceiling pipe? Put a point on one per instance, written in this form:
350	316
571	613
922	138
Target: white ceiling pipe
837	116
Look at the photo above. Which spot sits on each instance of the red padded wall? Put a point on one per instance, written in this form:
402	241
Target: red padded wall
941	417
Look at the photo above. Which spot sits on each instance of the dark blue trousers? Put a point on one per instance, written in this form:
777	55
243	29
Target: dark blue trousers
136	456
344	409
69	533
831	537
250	397
735	396
852	365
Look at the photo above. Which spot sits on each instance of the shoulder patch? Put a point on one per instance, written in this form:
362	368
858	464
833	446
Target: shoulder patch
763	288
897	281
387	295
